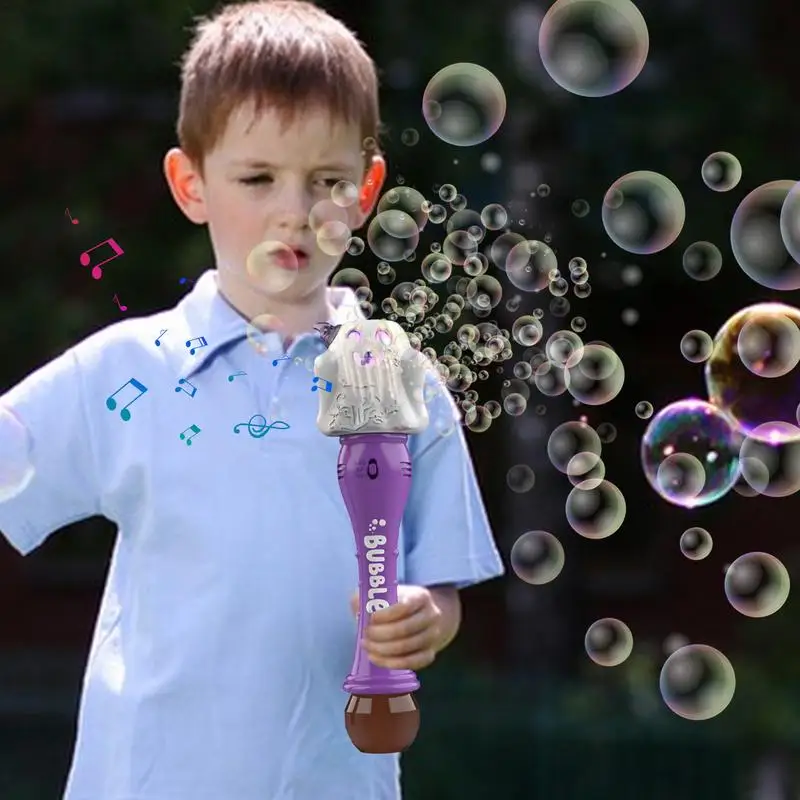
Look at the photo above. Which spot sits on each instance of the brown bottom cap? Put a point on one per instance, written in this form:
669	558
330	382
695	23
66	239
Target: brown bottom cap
380	723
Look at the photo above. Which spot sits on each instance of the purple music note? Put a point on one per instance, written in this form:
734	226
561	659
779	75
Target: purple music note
111	403
203	343
97	273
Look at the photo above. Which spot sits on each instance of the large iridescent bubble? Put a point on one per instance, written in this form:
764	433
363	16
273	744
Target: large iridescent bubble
593	48
752	373
690	453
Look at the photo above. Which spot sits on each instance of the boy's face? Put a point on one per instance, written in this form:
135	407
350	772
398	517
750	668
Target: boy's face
265	193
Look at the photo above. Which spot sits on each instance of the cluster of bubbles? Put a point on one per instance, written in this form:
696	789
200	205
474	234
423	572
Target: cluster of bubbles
746	435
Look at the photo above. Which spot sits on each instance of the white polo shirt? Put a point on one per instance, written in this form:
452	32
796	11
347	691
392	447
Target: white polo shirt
225	632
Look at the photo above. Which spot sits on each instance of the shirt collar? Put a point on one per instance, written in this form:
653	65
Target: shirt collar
208	315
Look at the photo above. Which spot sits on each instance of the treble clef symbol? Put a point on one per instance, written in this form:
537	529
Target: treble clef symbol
257	426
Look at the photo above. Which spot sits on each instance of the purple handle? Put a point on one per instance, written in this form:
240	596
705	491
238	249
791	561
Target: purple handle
374	472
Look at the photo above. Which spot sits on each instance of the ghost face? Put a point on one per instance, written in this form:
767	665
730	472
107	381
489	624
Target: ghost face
376	378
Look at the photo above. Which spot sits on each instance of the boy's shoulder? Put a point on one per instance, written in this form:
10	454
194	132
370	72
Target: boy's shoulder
174	336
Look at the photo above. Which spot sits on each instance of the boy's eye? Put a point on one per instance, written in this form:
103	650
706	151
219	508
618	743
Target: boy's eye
384	337
255	179
354	334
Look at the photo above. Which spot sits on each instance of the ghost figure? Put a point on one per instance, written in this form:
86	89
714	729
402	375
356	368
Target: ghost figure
377	379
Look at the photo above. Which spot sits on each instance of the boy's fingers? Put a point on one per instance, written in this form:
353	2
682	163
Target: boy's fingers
405	607
399	628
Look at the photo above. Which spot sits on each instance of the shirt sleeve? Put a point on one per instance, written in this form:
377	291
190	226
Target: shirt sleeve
46	426
447	537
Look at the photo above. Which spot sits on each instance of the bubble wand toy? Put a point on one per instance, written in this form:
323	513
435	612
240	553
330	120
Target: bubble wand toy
375	401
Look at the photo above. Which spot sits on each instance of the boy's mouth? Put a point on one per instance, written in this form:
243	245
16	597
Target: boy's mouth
291	258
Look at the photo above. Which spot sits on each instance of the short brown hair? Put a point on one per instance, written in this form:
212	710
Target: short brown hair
283	53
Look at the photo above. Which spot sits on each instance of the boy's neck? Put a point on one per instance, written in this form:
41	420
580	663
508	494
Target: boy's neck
295	317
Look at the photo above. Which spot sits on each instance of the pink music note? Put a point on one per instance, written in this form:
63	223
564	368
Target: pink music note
121	308
73	221
97	273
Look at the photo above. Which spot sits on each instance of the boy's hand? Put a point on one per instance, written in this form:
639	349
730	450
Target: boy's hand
405	635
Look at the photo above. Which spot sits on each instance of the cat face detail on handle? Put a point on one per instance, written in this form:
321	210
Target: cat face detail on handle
377	379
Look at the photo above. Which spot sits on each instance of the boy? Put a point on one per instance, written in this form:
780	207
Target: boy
225	631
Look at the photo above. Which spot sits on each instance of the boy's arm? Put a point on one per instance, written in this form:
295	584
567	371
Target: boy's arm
43	421
447	537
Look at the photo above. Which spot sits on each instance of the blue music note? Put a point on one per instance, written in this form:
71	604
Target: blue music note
183	388
158	342
282	358
111	403
203	343
326	388
195	430
257	426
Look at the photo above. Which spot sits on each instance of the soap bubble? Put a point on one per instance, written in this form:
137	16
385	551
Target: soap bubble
464	104
752	400
757	241
690	453
586	468
16	455
697	682
608	642
696	346
721	171
344	193
564	348
702	261
643	212
593	48
757	584
537	557
392	235
598	377
643	409
405	199
790	222
526	330
607	432
568	440
494	217
272	266
520	478
436	268
696	543
770	459
769	345
528	265
595	510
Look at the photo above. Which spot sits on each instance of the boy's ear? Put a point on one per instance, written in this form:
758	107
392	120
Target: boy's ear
186	185
371	188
